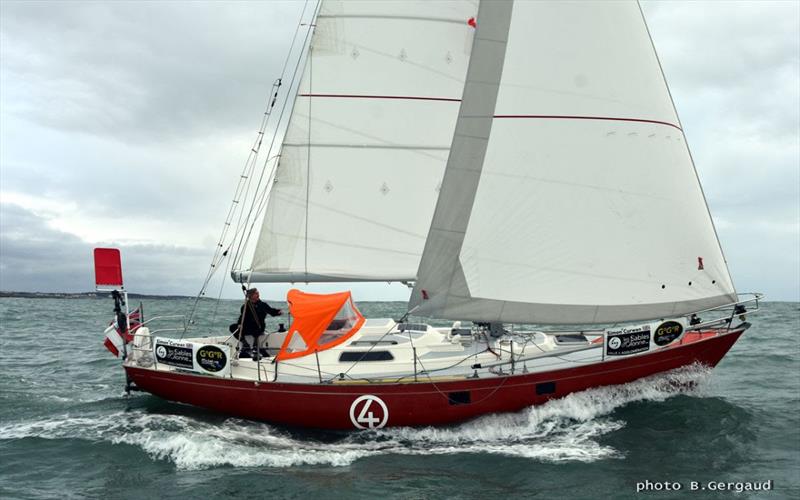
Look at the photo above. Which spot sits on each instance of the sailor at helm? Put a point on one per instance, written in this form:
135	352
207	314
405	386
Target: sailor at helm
252	316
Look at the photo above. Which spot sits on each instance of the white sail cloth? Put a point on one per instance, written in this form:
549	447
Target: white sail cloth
569	194
367	142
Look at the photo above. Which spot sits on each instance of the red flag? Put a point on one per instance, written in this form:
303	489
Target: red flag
113	341
119	335
135	321
107	267
471	21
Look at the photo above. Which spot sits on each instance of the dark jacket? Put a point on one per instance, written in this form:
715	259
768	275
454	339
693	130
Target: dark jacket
254	318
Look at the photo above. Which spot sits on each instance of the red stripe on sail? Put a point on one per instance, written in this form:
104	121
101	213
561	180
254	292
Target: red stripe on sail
451	99
611	118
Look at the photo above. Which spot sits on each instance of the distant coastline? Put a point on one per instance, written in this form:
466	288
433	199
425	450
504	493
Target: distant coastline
85	295
105	295
138	296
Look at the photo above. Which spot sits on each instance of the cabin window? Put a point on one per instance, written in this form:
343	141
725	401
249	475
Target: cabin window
341	325
571	339
338	324
545	388
459	398
366	356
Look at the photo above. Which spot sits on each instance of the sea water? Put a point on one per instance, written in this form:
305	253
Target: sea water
67	430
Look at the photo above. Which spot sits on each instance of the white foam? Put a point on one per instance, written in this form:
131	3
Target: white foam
567	429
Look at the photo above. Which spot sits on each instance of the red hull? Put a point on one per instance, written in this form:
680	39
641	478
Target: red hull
334	406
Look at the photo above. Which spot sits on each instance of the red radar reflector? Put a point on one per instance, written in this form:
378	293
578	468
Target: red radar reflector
107	267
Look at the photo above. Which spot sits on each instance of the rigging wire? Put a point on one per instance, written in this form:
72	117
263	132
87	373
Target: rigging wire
242	190
253	217
242	186
228	269
240	223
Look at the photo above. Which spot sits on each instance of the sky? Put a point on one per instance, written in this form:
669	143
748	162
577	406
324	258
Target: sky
127	124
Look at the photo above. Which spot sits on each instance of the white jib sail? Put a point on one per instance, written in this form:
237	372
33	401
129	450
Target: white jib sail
367	143
569	195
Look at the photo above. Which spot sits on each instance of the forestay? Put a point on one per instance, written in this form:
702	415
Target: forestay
569	194
367	142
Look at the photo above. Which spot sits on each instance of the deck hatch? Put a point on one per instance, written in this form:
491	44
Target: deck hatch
366	356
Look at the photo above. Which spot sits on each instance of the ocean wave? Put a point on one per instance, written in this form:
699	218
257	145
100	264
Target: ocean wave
567	429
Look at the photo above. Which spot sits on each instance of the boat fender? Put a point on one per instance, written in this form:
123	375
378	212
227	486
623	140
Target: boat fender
144	360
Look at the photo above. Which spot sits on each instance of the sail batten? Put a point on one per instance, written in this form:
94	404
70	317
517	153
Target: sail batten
369	146
300	277
574	199
451	20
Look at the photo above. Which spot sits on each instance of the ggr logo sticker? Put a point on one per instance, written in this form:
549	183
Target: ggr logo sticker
369	412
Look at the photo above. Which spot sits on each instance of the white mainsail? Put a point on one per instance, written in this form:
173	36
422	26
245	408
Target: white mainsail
367	142
569	195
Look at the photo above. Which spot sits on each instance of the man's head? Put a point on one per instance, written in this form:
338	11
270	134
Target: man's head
252	295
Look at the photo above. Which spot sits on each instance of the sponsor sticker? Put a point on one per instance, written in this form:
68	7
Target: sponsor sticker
627	340
211	358
667	332
171	353
201	358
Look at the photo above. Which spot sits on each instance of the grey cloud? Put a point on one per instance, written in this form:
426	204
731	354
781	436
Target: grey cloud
136	107
734	72
763	260
100	176
142	70
734	42
149	109
732	60
34	257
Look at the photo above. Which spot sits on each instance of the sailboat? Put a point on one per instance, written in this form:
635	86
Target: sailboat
521	166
